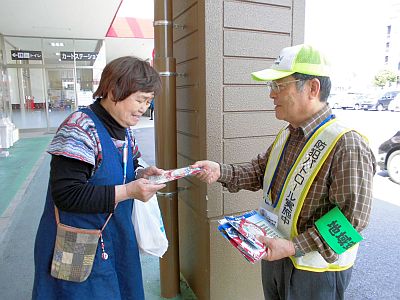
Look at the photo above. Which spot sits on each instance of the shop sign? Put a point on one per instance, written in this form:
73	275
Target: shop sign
78	56
26	55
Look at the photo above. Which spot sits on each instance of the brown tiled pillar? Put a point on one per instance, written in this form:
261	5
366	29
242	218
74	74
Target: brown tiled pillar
165	138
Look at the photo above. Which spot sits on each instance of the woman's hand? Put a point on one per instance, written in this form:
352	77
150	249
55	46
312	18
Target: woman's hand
211	171
150	171
140	189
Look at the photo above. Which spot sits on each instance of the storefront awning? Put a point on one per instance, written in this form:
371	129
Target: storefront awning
128	27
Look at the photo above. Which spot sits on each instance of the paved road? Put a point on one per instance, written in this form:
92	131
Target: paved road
145	139
376	274
16	249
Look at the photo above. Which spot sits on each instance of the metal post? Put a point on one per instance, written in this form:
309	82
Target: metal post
165	139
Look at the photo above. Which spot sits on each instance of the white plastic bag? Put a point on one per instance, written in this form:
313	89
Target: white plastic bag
149	227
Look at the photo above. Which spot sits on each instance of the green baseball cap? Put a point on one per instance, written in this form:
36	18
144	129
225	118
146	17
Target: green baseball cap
302	58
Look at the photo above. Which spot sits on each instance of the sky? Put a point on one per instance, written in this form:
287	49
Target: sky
352	35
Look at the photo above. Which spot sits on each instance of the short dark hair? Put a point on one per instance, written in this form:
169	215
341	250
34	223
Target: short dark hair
325	83
127	75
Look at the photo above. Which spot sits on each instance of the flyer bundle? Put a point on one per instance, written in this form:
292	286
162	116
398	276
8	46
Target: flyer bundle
174	174
242	231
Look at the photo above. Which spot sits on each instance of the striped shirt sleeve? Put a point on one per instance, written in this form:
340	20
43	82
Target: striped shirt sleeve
77	138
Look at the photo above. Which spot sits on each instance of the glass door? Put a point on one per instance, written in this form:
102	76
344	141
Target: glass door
49	78
28	101
61	95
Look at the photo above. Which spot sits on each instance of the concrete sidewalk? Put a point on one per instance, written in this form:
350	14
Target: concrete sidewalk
22	210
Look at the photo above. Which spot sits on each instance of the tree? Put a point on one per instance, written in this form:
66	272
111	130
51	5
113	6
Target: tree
385	76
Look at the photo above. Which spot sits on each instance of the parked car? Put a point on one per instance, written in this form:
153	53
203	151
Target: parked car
380	103
345	101
332	101
394	105
369	100
389	157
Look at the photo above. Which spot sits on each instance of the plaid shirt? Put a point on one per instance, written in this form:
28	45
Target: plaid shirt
345	180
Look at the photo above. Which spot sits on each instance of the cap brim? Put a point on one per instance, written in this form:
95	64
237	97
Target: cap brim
270	74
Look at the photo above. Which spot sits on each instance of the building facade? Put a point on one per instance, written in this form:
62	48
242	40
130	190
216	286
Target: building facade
391	60
45	79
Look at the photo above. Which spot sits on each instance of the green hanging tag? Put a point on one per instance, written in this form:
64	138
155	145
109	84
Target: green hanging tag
337	231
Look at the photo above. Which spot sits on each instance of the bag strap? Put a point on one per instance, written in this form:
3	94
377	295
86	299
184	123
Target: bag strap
105	224
58	218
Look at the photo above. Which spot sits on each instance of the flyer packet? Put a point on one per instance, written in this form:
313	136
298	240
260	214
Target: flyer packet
250	252
174	174
242	231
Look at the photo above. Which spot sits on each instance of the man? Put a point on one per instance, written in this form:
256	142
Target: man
315	166
151	109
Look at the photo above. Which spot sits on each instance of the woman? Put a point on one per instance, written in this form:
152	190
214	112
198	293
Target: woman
95	172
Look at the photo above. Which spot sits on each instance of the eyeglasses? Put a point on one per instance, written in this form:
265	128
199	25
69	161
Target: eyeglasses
276	87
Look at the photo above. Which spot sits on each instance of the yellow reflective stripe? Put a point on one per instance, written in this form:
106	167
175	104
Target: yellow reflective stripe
334	267
280	141
314	174
329	267
345	261
299	158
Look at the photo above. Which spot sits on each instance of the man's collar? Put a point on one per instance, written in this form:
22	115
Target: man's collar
308	126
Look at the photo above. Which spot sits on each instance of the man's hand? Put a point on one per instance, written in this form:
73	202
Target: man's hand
277	248
210	173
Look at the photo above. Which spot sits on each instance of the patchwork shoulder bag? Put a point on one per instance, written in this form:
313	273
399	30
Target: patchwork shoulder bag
74	251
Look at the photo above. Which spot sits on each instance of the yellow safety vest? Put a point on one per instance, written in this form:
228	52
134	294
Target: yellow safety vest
295	190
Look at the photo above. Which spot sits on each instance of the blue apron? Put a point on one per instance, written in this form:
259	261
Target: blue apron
118	277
